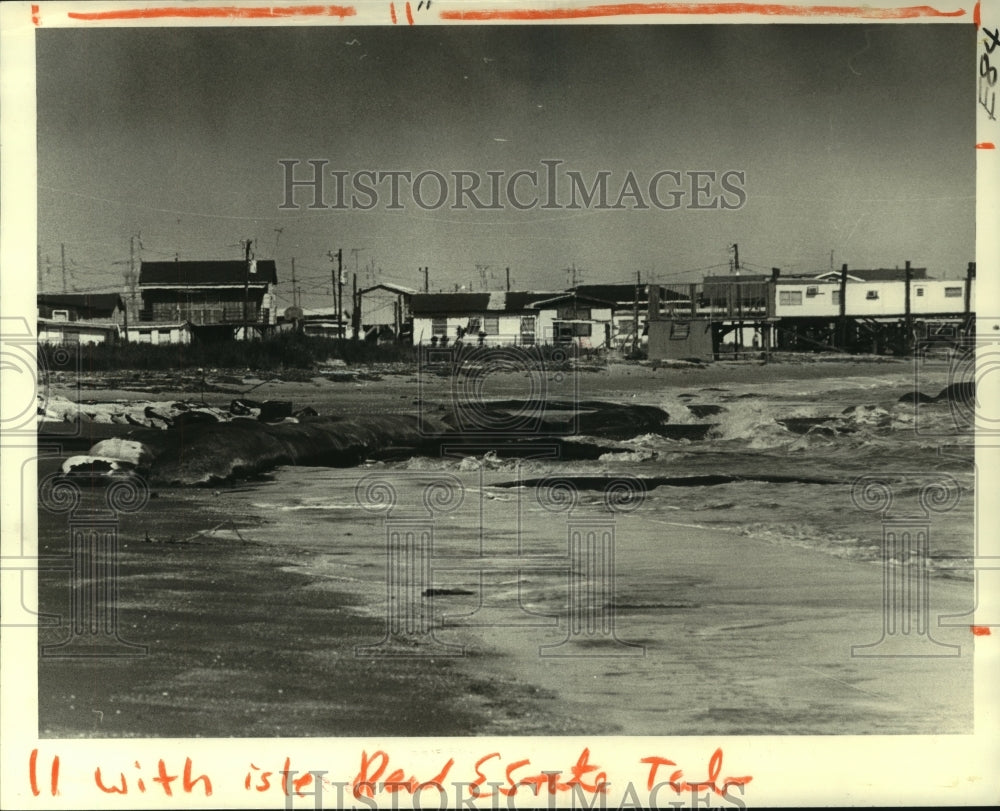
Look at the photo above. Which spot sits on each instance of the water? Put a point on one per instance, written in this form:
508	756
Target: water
839	430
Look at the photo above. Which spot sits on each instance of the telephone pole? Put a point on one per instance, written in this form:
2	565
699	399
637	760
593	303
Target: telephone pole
336	284
340	292
427	283
355	306
132	275
246	289
62	248
295	287
635	314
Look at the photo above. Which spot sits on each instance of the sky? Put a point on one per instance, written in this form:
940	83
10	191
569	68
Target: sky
855	144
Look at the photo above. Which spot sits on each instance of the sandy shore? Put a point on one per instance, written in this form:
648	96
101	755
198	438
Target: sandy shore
253	602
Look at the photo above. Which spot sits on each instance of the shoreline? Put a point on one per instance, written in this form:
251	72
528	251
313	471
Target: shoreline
271	585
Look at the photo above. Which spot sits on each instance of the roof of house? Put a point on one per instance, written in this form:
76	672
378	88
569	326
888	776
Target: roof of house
497	301
392	288
96	304
190	274
878	274
743	278
323	312
618	293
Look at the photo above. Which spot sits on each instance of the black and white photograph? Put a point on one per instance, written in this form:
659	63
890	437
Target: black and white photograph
493	398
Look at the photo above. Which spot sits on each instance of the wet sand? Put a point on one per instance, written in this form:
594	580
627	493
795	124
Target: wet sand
253	600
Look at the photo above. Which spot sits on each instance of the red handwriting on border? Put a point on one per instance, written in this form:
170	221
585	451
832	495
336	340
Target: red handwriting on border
980	630
260	780
598	783
679	784
33	774
364	784
766	9
163	777
584	776
203	12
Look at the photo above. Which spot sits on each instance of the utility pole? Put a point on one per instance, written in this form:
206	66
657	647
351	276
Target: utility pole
132	275
295	287
908	312
970	276
355	306
246	289
508	280
635	314
843	306
340	292
736	258
62	248
427	283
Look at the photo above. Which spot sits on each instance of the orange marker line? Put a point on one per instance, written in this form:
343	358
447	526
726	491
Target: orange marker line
986	145
409	14
209	12
768	9
980	630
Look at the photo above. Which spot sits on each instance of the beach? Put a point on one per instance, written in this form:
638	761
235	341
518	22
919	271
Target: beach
742	589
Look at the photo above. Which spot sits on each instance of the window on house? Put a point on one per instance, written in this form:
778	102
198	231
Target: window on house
528	330
439	326
812	292
473	327
571	313
789	297
679	332
60	315
164	333
491	325
835	297
920	291
953	292
872	295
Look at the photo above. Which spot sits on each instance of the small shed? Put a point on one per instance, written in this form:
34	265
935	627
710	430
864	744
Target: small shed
679	338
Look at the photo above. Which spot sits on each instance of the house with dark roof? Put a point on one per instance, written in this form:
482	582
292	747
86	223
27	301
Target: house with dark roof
627	298
216	297
84	318
503	318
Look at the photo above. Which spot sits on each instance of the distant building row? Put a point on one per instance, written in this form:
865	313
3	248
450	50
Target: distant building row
184	301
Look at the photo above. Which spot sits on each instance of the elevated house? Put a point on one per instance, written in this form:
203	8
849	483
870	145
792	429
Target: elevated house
219	299
83	318
860	310
506	318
